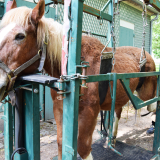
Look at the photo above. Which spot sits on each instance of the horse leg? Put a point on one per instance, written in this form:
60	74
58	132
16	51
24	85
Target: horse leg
58	115
117	116
86	122
152	107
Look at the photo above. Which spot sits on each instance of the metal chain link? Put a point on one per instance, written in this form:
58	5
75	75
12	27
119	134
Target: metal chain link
144	17
74	76
113	32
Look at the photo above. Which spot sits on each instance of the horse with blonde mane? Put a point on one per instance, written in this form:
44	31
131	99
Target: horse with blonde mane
22	34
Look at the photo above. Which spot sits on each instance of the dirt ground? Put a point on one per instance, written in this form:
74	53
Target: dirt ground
129	132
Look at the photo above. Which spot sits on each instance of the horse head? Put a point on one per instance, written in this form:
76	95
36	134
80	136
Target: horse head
18	44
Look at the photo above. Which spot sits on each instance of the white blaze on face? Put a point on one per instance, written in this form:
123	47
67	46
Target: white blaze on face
5	31
3	78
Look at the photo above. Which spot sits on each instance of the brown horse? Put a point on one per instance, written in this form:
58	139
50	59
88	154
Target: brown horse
23	33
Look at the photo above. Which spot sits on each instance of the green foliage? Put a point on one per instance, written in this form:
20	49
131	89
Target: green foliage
156	38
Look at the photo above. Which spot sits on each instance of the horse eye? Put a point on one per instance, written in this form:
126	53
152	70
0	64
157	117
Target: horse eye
20	36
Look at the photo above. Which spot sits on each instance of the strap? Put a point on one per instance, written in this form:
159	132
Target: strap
5	67
141	79
106	66
43	57
27	64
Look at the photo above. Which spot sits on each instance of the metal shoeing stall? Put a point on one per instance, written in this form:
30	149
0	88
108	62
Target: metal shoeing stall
29	116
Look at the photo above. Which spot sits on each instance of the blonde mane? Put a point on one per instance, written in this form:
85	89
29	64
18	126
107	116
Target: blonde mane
47	27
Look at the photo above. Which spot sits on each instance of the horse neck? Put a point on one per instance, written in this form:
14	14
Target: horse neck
55	71
52	66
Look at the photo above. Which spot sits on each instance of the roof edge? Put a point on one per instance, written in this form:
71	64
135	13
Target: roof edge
138	5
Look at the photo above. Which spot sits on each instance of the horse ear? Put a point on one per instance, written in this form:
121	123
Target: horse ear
38	11
13	5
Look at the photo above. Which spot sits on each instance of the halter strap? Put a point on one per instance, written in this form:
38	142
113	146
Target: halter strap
43	56
12	74
27	64
5	68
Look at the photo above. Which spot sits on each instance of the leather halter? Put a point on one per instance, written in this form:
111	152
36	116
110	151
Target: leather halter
12	74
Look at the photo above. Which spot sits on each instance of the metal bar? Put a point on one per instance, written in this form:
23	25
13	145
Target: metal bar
26	88
32	122
8	131
95	12
146	103
90	10
44	88
112	113
104	77
71	102
156	141
1	9
23	86
106	5
95	34
110	24
106	119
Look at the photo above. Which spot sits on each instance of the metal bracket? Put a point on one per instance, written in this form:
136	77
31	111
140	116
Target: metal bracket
102	12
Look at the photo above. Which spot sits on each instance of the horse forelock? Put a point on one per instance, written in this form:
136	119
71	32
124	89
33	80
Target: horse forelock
47	29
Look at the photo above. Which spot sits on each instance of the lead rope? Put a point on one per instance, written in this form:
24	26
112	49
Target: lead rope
143	60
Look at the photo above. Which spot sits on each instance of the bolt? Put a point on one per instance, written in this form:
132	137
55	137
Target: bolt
35	91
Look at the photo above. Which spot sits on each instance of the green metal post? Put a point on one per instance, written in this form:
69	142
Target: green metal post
1	9
71	102
8	131
156	142
106	119
110	12
113	96
32	122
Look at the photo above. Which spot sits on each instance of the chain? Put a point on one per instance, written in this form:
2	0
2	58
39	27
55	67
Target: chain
113	32
74	76
54	5
144	17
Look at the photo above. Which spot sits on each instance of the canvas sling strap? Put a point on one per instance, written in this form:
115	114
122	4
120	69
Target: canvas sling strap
141	79
105	67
